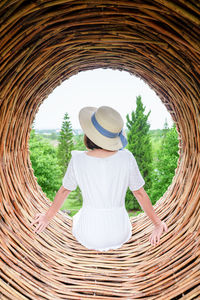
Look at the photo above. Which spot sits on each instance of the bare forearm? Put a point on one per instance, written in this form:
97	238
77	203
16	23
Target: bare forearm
60	197
146	205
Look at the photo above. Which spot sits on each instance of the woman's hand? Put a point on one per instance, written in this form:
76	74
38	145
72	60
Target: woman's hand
157	232
42	221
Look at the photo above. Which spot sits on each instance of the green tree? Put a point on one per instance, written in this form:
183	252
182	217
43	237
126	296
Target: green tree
79	145
78	142
65	144
165	164
44	161
139	143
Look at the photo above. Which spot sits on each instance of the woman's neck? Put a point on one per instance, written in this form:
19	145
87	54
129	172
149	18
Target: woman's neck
102	150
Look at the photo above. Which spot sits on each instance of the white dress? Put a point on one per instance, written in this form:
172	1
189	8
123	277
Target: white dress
102	223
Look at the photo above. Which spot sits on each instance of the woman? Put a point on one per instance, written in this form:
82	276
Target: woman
103	173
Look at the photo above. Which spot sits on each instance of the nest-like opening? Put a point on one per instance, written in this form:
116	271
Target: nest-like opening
42	44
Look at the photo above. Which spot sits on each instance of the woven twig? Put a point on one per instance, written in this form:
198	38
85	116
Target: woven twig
42	44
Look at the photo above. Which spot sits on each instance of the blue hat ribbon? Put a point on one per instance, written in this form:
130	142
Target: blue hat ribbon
108	133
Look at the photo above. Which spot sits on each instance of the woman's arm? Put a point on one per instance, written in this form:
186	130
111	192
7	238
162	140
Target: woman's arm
60	197
44	219
145	203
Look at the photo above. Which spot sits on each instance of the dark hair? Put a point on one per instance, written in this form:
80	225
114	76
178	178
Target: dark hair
89	144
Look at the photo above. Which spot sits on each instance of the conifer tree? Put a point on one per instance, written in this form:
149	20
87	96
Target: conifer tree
65	145
139	143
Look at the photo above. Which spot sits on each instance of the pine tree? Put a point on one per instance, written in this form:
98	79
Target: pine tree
65	145
139	143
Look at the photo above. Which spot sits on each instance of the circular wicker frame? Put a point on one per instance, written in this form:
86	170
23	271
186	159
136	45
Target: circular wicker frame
44	42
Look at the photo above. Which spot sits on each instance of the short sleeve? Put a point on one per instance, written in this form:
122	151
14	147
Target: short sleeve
69	181
136	181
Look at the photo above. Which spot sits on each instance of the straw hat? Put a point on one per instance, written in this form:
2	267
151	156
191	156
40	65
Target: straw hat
103	126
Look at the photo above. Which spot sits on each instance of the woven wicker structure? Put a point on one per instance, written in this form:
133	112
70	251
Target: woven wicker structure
44	42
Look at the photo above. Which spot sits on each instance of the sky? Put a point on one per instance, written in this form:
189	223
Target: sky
99	87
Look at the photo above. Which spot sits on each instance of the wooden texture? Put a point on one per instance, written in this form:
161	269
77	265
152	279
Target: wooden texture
43	43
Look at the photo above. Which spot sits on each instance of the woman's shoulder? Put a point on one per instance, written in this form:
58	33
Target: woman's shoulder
129	154
78	155
76	152
81	153
126	152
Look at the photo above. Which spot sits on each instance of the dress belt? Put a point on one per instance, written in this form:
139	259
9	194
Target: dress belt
103	208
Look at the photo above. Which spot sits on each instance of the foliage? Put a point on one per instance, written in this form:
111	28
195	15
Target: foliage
79	145
78	142
68	142
45	164
164	164
65	145
139	143
164	150
156	136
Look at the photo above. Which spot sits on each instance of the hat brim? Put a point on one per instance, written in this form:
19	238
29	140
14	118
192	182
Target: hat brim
93	134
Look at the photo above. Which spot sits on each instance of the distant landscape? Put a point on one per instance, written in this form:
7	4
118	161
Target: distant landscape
52	136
